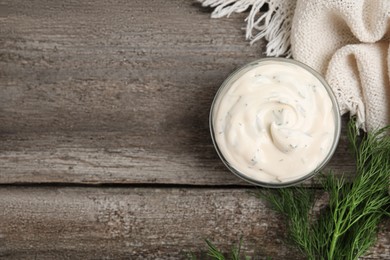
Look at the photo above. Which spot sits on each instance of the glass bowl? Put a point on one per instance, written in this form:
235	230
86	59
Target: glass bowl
232	153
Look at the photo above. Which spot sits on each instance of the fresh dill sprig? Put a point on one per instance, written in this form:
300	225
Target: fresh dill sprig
295	205
348	227
216	254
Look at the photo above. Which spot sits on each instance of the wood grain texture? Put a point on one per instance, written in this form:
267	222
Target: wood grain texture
140	223
114	65
109	157
115	91
118	92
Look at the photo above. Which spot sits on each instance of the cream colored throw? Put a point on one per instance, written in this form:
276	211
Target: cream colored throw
347	41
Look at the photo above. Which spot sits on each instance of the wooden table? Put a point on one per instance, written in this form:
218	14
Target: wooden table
105	149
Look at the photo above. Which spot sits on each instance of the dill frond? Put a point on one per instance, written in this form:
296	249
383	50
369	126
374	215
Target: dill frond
217	254
214	252
348	227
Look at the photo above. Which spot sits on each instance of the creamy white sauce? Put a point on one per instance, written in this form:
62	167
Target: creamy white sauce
275	123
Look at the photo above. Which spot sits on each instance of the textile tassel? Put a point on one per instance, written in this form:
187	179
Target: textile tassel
274	25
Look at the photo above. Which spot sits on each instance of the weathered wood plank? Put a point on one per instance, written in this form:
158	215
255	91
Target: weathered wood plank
109	157
136	75
115	91
113	65
119	92
140	223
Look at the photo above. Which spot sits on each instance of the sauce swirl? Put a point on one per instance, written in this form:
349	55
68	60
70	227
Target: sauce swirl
275	122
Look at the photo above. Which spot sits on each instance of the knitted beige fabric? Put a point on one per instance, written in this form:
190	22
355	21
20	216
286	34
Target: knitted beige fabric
345	40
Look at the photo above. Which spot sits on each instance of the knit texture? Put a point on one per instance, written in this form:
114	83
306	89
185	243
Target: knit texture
347	41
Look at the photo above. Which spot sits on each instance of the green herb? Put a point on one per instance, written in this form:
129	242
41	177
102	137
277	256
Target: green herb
216	254
348	226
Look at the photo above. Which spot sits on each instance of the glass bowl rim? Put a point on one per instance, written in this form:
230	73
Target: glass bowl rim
245	68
